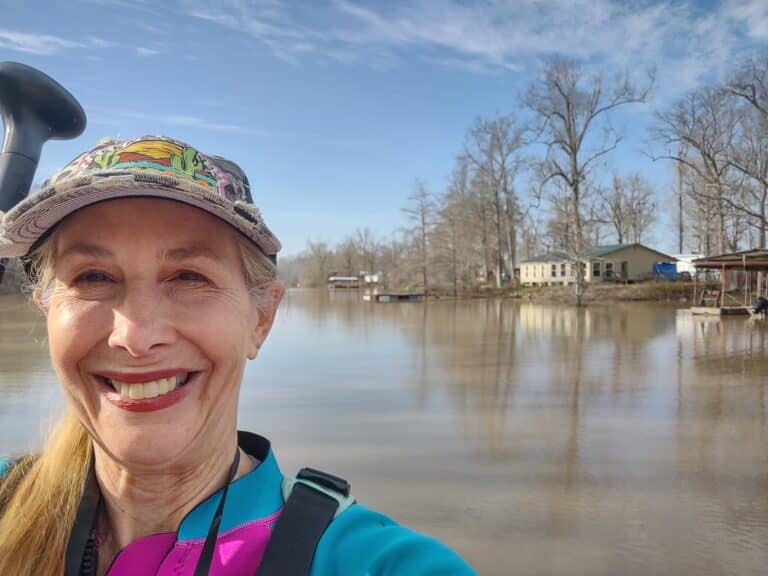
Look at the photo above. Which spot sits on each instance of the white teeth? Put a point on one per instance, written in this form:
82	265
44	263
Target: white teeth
148	389
163	386
136	391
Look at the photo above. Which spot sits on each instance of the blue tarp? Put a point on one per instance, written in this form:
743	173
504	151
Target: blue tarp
665	271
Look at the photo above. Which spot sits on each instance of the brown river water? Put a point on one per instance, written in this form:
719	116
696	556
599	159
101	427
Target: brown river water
533	439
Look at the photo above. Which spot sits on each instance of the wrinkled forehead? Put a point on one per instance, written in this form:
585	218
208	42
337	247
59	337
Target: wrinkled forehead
147	225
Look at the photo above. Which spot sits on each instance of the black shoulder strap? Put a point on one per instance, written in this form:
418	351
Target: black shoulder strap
81	556
307	513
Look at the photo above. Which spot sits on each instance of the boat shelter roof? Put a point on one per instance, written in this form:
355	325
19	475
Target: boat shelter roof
756	259
593	254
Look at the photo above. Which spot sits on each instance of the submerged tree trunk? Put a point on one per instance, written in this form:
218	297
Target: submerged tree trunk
499	253
579	245
680	222
568	106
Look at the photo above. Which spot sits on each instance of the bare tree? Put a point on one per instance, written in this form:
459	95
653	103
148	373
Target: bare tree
447	236
750	83
491	148
559	235
367	247
680	204
346	259
700	132
319	256
628	207
568	108
455	229
531	237
420	211
749	155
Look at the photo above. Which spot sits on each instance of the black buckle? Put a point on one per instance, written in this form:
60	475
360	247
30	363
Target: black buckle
326	480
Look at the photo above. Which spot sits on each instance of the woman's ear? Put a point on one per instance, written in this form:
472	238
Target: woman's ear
269	300
40	301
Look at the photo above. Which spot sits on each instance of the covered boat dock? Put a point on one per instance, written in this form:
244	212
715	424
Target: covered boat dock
742	281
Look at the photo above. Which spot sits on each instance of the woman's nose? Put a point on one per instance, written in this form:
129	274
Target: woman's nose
140	324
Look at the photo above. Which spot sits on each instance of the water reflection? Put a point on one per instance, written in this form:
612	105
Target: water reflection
27	390
626	438
535	439
22	342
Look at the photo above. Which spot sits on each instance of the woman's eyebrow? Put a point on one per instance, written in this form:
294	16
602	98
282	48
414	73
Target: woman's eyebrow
189	253
83	249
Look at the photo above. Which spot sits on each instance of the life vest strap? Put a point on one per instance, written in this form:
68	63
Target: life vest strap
312	500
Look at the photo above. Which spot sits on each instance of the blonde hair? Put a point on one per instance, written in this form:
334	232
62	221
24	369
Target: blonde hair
40	496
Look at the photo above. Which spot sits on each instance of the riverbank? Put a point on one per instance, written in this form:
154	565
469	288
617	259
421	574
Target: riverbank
640	292
679	292
11	278
652	291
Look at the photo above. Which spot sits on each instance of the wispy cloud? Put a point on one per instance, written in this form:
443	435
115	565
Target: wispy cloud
267	21
151	28
43	44
679	39
752	14
473	66
145	52
46	44
141	5
118	118
97	42
154	122
508	34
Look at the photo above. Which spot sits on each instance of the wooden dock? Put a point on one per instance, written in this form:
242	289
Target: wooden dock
399	297
720	310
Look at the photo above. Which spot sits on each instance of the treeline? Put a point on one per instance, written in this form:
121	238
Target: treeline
476	230
717	136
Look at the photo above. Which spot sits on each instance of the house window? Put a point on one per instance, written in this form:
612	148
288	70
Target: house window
595	269
542	270
609	269
554	270
562	269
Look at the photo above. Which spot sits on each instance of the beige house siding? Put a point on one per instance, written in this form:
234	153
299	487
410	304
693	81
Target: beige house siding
638	262
633	262
541	273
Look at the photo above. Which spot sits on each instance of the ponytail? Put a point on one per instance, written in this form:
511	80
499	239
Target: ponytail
39	498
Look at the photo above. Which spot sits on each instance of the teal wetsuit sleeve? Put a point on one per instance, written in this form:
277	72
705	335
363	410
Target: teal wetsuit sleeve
360	542
5	465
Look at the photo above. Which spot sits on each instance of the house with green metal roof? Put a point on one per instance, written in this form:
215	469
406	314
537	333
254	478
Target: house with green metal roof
617	262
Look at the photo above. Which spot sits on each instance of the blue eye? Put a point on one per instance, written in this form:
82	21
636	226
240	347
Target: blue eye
93	277
189	276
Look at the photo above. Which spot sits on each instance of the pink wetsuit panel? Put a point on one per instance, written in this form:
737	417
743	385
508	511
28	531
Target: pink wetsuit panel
238	551
143	556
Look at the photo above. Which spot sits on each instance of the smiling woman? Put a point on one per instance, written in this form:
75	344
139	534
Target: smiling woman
157	278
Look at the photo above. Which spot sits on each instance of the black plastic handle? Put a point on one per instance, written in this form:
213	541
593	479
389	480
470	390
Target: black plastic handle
35	108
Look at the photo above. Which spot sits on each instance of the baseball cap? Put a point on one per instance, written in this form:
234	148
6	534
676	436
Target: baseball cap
150	166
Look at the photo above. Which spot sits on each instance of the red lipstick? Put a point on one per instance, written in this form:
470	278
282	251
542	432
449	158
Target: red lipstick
145	404
141	377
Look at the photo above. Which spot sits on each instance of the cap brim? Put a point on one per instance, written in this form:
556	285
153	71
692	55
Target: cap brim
31	219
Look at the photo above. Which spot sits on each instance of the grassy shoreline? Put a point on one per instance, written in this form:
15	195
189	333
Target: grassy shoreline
673	292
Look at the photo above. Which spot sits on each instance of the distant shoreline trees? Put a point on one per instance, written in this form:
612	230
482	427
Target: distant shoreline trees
718	138
476	231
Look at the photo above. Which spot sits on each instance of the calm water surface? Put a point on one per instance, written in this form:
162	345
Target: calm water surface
533	439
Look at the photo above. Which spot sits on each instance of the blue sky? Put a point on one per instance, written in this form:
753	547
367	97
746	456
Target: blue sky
335	107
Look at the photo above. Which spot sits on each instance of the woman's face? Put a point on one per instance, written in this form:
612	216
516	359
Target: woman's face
150	323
